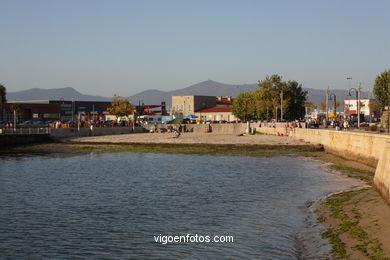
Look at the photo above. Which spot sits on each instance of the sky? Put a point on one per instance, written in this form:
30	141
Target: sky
106	47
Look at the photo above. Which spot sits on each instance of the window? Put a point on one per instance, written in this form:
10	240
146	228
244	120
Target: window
181	107
189	107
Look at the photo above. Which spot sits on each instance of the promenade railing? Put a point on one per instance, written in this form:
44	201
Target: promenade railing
25	131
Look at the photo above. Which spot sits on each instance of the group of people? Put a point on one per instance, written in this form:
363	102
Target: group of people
340	124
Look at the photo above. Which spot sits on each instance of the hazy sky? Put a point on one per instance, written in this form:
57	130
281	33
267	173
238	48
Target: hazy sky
124	47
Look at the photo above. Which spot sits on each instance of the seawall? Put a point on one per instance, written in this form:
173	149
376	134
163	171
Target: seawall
22	139
213	128
382	173
368	148
61	133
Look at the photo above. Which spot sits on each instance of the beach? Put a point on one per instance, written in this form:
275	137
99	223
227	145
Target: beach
191	138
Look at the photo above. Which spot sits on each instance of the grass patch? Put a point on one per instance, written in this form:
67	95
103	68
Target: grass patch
338	246
348	224
230	150
352	169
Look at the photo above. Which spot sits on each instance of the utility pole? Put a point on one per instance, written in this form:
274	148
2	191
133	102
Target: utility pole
327	105
357	91
78	122
14	121
358	100
276	114
334	102
72	112
281	106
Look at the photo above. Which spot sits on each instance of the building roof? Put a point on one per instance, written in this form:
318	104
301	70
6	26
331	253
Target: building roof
224	100
215	110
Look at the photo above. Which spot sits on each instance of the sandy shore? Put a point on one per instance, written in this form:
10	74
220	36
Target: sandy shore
357	222
191	138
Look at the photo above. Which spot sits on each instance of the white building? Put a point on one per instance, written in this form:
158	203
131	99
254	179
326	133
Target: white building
350	107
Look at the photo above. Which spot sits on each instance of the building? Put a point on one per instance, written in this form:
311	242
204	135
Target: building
218	114
187	105
69	109
150	113
366	108
30	111
207	108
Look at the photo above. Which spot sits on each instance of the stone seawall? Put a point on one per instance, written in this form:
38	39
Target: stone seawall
203	128
382	173
359	146
21	139
368	148
60	133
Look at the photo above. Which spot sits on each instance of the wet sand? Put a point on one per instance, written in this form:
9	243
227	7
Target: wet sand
360	219
191	138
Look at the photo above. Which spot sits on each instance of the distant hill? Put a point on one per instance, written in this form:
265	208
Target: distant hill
154	96
205	88
213	88
52	94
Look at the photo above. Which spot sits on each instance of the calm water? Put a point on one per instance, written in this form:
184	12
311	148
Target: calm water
111	205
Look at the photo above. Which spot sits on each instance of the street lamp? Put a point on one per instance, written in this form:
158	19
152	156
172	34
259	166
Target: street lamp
334	101
72	111
357	91
327	106
281	106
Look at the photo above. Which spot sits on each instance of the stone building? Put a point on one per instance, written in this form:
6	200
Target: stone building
188	105
207	108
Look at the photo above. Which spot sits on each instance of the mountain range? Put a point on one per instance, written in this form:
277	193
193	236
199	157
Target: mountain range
154	96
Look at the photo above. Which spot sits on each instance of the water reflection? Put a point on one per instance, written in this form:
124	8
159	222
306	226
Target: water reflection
111	205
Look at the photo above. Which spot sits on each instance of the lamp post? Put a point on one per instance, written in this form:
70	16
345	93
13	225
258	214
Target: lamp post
281	106
349	86
276	114
72	111
334	101
357	91
327	106
62	101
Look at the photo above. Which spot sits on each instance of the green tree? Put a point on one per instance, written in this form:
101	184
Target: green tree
382	89
296	98
140	110
263	104
120	107
15	108
268	98
244	106
310	105
323	106
3	99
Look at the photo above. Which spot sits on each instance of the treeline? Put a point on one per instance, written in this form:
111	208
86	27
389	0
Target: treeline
266	101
